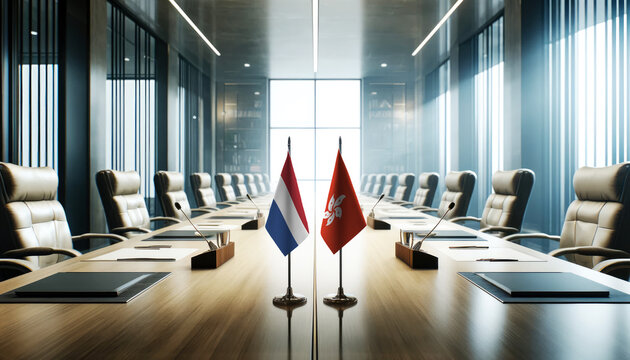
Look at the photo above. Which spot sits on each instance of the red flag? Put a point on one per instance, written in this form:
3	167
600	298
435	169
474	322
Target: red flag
343	218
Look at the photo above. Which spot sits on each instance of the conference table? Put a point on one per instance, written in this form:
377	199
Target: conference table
401	312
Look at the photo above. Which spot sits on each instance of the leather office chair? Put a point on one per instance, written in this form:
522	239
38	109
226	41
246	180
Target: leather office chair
266	183
379	183
391	183
169	189
363	182
459	188
204	194
250	184
124	206
369	186
505	208
224	187
427	186
260	183
403	190
238	182
34	230
597	223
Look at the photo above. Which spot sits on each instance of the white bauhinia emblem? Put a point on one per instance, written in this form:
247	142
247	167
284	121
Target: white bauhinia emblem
334	208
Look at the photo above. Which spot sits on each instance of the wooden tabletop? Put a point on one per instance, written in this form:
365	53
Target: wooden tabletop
401	313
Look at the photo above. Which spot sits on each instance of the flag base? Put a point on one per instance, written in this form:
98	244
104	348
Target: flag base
340	299
289	299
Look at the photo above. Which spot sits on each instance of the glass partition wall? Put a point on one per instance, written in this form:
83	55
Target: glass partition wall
315	113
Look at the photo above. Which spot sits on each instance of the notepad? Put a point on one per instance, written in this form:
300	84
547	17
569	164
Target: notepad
545	284
81	284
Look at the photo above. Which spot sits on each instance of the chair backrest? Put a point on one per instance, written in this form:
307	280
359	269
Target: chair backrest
506	206
224	187
250	183
391	181
379	183
459	189
31	216
405	185
369	186
169	189
266	182
123	204
600	216
238	182
202	189
260	183
427	185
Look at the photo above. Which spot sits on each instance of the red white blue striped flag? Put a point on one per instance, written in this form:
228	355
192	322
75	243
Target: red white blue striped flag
286	223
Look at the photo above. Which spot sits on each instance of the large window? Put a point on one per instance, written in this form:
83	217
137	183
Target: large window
131	99
314	114
588	89
437	110
35	128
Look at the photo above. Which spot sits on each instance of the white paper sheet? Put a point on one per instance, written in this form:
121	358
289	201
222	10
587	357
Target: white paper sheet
145	255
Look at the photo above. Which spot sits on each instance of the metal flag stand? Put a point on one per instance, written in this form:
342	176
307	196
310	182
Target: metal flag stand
289	299
340	298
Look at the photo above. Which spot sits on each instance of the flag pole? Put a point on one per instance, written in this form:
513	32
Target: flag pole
289	299
340	300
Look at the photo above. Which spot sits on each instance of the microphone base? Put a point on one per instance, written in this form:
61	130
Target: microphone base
377	224
212	259
416	259
254	224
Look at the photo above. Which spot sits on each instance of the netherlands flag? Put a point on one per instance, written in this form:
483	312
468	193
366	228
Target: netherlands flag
286	223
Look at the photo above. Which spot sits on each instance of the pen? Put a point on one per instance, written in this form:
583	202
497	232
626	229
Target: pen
468	247
145	259
152	247
496	259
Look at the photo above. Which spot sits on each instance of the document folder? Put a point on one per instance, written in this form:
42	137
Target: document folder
545	284
81	284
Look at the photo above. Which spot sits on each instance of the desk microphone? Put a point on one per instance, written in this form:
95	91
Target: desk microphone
418	245
250	199
210	244
377	201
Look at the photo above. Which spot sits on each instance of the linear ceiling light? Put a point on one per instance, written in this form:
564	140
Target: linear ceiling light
192	25
437	27
315	33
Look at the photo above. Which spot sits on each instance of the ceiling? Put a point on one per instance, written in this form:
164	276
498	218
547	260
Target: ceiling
275	36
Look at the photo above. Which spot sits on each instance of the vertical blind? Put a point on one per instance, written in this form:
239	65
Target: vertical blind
587	53
131	99
35	78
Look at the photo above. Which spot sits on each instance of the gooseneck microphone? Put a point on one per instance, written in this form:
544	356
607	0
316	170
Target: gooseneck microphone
211	245
256	206
419	244
377	201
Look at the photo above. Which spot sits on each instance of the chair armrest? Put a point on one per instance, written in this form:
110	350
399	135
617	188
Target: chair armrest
503	229
39	251
115	238
591	251
127	229
612	265
465	218
165	218
19	266
531	236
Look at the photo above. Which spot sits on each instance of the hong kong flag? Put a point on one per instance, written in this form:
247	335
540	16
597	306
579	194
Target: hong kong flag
343	218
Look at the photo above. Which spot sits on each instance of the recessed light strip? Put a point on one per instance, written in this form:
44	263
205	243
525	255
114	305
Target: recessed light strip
437	27
315	33
192	24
